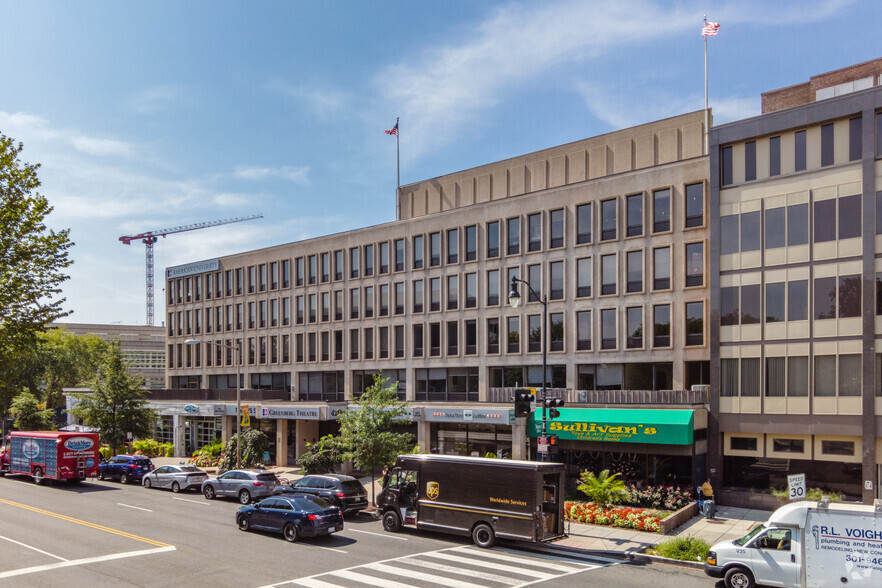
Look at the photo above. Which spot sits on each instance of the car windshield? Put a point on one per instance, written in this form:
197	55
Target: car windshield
311	505
352	486
266	477
189	469
746	539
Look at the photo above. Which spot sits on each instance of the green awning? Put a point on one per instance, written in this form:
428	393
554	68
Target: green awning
617	425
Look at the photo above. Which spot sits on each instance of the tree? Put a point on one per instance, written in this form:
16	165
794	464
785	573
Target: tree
320	457
32	260
30	414
63	360
254	444
367	435
117	405
603	488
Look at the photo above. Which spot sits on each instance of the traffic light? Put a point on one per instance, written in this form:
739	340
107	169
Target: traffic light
523	399
552	404
552	440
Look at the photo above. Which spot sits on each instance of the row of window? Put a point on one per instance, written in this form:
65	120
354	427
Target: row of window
830	376
261	278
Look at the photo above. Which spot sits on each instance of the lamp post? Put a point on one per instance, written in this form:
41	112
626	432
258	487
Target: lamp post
514	299
238	350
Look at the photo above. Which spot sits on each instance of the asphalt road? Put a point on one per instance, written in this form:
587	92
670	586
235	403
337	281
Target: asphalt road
103	533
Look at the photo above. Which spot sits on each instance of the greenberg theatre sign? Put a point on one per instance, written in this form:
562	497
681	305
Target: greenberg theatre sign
663	427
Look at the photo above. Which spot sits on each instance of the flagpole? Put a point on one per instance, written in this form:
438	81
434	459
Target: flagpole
398	166
706	116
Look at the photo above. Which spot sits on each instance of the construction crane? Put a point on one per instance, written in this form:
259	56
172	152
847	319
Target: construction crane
151	237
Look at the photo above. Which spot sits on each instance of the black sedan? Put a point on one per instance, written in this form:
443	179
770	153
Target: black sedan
344	491
293	516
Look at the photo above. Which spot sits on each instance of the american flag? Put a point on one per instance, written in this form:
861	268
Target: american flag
393	130
710	29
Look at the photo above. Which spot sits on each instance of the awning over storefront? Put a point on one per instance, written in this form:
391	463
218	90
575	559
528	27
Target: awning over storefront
663	427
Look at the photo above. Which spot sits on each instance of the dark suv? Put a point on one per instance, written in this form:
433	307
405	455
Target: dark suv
338	489
125	468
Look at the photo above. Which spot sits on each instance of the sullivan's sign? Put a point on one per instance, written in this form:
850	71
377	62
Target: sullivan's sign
663	427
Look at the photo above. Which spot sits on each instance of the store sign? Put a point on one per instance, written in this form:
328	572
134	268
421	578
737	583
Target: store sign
661	427
192	268
189	409
468	415
310	413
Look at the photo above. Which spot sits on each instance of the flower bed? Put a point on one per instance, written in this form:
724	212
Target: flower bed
638	519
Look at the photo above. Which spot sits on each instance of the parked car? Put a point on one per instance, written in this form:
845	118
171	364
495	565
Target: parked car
292	515
343	491
125	468
176	477
243	484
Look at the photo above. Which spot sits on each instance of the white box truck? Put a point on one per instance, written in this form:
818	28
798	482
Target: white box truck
805	545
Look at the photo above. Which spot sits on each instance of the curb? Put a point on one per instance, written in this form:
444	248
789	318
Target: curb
657	559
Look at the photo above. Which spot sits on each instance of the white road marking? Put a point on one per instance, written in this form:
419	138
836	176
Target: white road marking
365	579
313	583
135	507
492	566
438	567
321	547
386	535
203	503
87	560
433	578
32	547
498	556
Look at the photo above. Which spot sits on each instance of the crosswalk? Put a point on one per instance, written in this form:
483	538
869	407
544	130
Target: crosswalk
457	567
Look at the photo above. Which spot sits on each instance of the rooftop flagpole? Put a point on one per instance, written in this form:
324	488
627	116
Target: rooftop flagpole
709	30
394	131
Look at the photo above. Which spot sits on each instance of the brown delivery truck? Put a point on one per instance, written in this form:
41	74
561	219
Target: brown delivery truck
488	499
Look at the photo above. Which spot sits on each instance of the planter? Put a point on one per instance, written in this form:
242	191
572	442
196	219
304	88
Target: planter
677	518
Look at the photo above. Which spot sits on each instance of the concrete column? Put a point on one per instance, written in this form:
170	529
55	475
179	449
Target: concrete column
519	438
179	437
424	436
229	425
281	442
307	432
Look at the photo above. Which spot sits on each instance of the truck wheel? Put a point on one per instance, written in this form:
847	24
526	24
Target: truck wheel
483	536
38	475
123	478
739	578
391	521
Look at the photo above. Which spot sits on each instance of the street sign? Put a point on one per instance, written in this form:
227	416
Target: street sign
796	486
246	416
542	444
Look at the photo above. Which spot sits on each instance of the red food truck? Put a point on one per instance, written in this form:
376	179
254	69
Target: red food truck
50	455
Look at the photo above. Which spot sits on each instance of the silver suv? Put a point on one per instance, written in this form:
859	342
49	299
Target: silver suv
243	484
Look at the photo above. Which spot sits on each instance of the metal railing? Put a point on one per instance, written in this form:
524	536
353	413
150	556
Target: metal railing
217	395
622	397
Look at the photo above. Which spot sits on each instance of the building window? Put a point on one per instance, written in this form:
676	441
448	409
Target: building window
661	325
694	323
368	343
775	302
634	319
418	296
368	303
775	156
750	161
434	249
634	214
353	262
338	265
384	342
661	265
326	345
855	149
729	234
694	205
471	243
797	224
353	303
556	331
399	341
750	377
583	330
384	257
775	376
827	144
608	271
338	305
513	236
399	298
797	376
608	328
556	228
634	269
435	339
418	340
493	335
751	304
368	260
556	277
534	232
298	271
493	288
418	252
694	264
452	292
514	335
534	333
338	345
453	246
849	216
534	279
493	239
583	223
311	275
384	299
726	165
799	150
471	290
608	220
435	294
742	443
849	296
583	277
353	343
452	338
661	211
471	337
839	448
797	300
311	350
751	231
312	310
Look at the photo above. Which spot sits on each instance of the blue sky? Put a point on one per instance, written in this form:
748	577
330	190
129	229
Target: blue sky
153	115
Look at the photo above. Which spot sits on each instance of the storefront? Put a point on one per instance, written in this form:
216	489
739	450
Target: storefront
647	447
468	431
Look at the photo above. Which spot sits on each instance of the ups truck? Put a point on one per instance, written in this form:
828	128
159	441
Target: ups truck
487	499
50	455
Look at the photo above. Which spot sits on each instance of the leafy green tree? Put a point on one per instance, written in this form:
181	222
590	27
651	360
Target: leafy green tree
367	434
254	444
603	488
64	360
31	414
32	260
320	457
117	405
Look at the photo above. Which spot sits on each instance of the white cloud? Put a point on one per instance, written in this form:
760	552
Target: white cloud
298	175
95	146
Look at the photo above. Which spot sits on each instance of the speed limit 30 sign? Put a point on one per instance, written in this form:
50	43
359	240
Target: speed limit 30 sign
796	486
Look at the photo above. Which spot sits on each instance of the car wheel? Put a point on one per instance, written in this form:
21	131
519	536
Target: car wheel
123	478
738	577
483	536
147	483
38	475
100	474
391	521
176	487
290	532
208	492
244	496
244	523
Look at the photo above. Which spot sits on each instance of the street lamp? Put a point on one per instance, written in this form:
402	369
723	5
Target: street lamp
238	350
514	299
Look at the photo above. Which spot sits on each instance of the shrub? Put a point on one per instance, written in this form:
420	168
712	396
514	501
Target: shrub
151	448
684	548
209	455
106	451
627	518
662	497
603	488
254	443
320	457
812	494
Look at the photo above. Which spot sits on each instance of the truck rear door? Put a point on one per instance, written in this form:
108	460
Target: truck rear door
774	557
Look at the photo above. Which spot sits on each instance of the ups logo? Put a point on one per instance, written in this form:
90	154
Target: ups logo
432	490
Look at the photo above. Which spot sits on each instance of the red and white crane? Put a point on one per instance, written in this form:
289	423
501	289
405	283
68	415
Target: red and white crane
150	237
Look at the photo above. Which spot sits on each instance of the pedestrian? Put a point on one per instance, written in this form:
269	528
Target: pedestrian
386	475
708	504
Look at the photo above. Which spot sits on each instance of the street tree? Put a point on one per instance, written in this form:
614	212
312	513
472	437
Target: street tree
367	433
31	414
254	444
32	263
65	360
117	405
